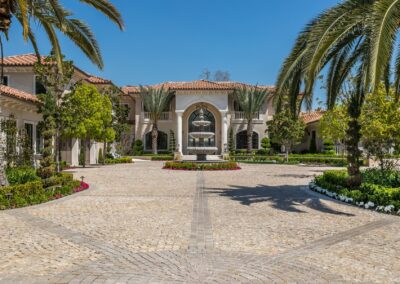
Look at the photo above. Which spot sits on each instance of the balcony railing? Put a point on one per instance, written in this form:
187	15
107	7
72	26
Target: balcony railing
240	115
167	115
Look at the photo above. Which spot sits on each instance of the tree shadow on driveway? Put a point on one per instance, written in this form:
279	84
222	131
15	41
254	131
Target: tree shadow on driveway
286	197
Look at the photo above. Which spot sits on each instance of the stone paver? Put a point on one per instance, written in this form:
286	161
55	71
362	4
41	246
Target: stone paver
141	224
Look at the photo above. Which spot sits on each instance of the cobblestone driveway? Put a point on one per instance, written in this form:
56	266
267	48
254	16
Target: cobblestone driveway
141	224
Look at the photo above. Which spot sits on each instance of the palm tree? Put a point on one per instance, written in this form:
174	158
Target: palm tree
155	101
354	36
250	100
53	17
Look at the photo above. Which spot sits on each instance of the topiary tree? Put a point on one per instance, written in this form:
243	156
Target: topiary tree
172	141
101	159
138	148
266	144
329	147
231	141
313	145
47	167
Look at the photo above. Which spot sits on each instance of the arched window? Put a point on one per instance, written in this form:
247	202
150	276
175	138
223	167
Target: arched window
241	140
208	116
162	141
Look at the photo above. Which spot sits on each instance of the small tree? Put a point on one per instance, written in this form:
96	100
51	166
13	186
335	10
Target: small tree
84	114
138	147
286	130
266	144
334	124
101	158
380	125
172	141
250	100
329	147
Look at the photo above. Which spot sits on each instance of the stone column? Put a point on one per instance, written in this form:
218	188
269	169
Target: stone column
179	130
224	131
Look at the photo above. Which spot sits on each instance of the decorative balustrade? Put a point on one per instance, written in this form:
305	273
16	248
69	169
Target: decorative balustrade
240	115
167	115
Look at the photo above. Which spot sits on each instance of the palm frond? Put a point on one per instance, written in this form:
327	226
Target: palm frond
107	9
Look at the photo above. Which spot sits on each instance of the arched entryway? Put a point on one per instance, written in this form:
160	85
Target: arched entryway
241	140
162	141
211	114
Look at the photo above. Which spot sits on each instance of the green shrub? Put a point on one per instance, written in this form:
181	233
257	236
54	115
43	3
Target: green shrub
21	175
191	166
162	158
262	152
138	148
389	178
122	160
101	157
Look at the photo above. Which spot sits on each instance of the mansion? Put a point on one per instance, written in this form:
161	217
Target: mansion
20	87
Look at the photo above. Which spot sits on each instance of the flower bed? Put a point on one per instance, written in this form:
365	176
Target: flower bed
190	166
293	159
35	192
379	191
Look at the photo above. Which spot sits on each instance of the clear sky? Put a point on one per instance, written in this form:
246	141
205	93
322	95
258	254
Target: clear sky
174	40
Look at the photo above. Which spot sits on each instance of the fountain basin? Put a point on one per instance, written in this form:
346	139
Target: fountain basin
201	123
202	152
201	135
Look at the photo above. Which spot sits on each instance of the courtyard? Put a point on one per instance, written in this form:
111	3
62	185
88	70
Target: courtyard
141	224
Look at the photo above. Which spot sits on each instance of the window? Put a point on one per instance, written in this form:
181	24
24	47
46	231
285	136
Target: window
5	80
236	106
39	140
29	133
39	87
241	140
162	141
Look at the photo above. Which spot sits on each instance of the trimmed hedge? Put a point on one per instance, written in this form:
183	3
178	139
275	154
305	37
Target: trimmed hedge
190	166
381	192
294	159
162	158
122	160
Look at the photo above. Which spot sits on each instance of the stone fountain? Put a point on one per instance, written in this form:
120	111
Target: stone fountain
200	149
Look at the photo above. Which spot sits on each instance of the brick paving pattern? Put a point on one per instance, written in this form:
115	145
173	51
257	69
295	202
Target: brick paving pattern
141	224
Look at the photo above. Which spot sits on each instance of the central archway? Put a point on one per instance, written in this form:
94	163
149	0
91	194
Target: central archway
212	114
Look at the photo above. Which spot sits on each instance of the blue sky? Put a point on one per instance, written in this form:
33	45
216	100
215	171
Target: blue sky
174	40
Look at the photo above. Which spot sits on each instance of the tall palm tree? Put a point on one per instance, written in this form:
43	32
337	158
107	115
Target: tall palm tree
155	101
354	36
250	100
53	17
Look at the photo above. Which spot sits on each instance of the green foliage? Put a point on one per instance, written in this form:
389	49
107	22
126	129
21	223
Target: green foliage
189	166
155	102
9	128
293	159
286	130
138	147
250	100
21	175
334	124
172	141
313	145
231	141
162	158
100	157
123	160
266	143
25	156
329	147
380	124
82	154
381	189
87	115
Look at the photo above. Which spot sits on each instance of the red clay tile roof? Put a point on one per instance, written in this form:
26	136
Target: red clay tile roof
310	117
18	94
195	85
21	60
98	80
30	59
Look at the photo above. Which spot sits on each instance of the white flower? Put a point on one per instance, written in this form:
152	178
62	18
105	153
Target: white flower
371	204
389	208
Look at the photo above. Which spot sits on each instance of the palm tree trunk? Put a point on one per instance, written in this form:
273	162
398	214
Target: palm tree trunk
249	136
154	136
